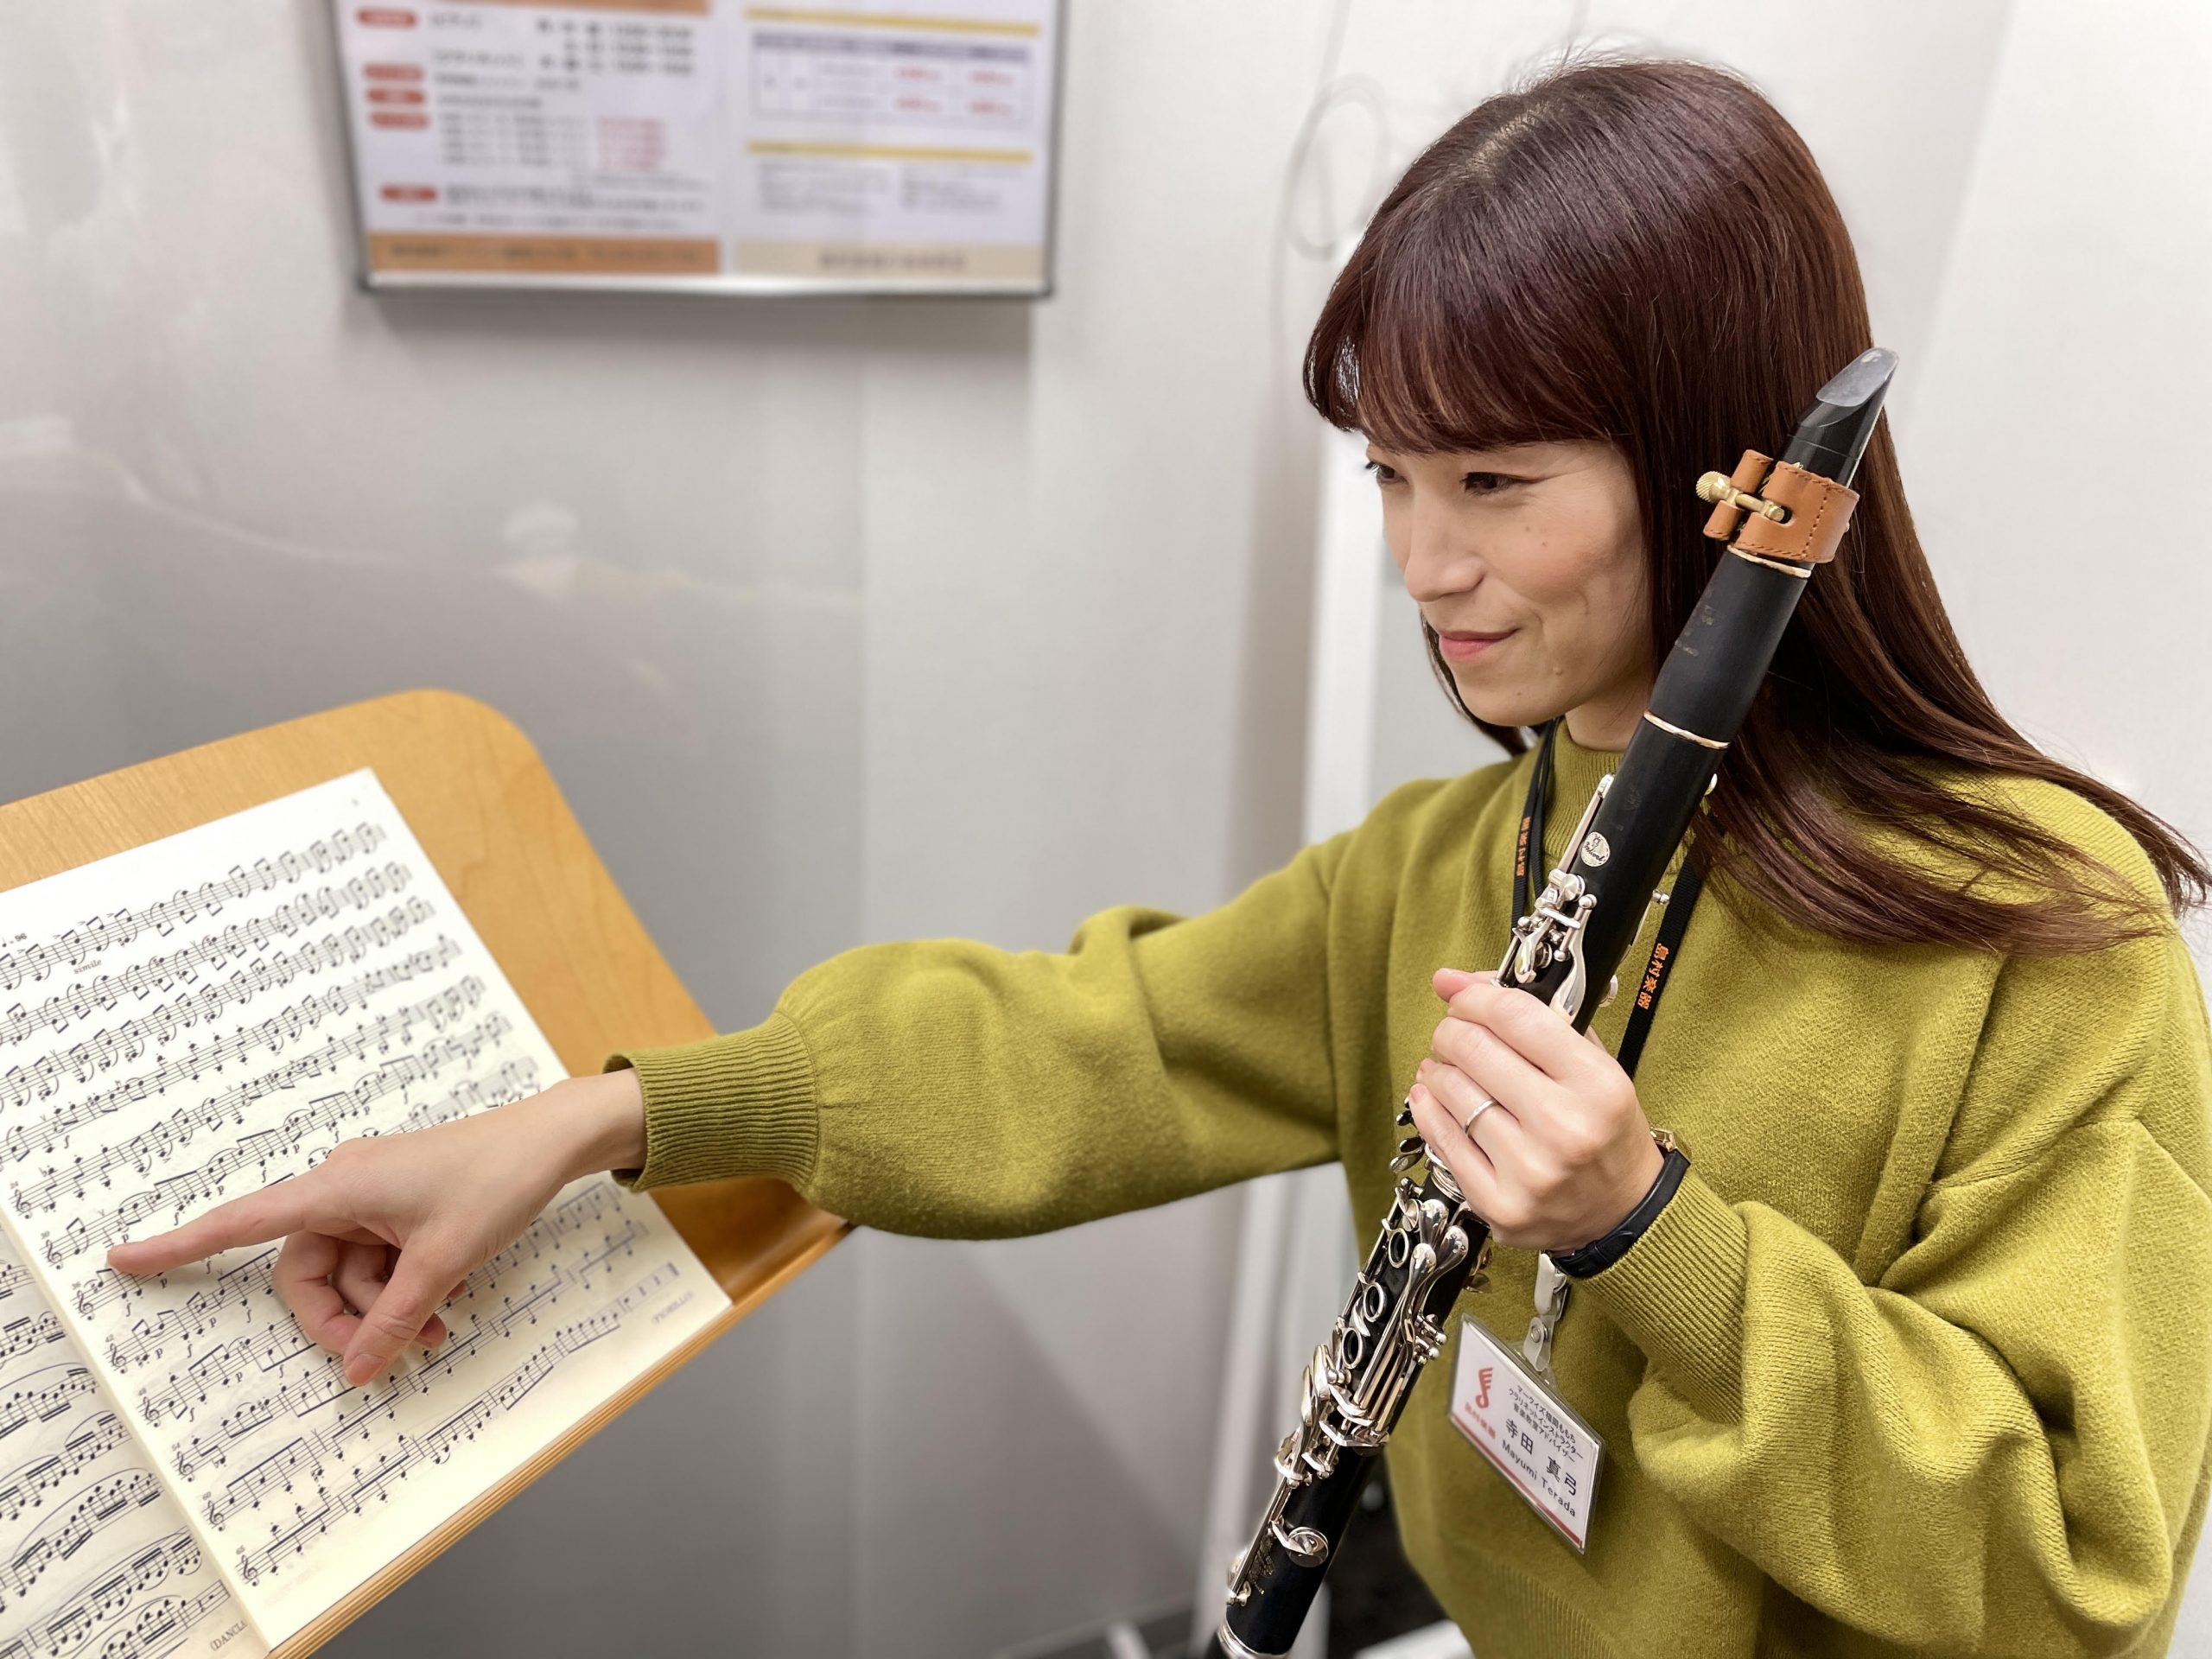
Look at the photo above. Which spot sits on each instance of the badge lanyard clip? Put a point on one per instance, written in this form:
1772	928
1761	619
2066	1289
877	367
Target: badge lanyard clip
1552	1287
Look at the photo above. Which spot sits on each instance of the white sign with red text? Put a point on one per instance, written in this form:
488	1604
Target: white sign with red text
716	145
1529	1434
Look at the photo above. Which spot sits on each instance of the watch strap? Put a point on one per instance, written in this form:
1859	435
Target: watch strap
1601	1253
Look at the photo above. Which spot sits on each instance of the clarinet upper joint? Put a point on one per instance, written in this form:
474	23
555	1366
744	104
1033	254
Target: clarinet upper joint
1552	931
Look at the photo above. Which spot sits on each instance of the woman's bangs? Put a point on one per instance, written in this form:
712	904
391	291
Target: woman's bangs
1435	353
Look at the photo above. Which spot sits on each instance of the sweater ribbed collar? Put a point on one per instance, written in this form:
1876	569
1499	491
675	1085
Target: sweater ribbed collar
1575	772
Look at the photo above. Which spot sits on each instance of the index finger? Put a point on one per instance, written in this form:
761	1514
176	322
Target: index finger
1528	1026
287	1206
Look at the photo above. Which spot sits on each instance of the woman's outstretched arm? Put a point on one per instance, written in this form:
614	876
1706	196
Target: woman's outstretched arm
948	1088
943	1087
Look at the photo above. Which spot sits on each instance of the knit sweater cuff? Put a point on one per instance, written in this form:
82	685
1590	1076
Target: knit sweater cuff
1679	1295
737	1105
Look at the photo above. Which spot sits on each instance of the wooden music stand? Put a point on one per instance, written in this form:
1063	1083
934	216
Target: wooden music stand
492	821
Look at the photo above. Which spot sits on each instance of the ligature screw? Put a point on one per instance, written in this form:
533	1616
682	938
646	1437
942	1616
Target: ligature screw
1716	488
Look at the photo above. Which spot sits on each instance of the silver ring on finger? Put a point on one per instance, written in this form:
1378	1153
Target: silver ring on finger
1484	1105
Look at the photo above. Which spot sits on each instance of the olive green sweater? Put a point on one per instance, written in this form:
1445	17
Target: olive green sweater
1919	1357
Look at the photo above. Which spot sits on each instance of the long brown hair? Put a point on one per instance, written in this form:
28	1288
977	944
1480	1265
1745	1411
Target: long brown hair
1646	253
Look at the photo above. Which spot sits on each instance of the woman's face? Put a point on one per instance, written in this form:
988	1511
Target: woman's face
1528	562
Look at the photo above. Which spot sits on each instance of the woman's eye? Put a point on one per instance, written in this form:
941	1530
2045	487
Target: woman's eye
1383	474
1488	483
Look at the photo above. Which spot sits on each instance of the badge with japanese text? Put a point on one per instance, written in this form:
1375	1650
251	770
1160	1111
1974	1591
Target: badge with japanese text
1529	1434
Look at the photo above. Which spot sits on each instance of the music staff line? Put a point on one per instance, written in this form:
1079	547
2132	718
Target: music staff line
236	943
98	1507
326	1390
77	947
438	1011
183	1395
92	1055
238	1281
438	1443
102	1052
23	1489
234	1289
20	1406
178	1194
143	1152
511	1082
29	1333
106	1600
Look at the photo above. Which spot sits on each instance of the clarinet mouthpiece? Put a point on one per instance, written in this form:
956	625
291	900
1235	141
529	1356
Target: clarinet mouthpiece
1832	434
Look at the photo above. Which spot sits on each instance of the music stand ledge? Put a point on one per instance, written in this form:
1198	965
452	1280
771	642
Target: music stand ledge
494	823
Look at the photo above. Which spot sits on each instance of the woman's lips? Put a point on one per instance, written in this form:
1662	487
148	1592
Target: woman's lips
1465	647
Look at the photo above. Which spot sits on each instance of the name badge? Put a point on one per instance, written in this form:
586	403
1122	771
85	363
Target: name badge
1529	1434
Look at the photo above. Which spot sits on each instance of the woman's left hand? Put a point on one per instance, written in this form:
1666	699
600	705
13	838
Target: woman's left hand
1566	1152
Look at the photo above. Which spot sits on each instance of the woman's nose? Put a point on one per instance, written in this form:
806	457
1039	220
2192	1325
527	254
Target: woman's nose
1439	564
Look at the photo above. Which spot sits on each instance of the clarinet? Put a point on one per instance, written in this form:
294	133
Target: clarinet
1778	522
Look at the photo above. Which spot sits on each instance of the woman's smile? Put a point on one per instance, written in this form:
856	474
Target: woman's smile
1466	646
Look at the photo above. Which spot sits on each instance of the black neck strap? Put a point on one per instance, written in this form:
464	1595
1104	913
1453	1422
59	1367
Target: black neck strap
1528	847
1666	950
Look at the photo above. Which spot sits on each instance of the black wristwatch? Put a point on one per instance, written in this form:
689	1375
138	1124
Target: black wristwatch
1601	1253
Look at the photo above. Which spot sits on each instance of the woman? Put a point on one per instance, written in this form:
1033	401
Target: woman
1916	1355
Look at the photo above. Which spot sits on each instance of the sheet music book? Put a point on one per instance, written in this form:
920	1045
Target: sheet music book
181	1471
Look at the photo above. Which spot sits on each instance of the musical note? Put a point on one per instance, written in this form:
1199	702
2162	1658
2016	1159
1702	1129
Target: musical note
491	1315
204	1005
182	1025
116	1608
141	1152
79	1492
41	1395
105	1287
411	1451
233	1291
377	1036
28	1334
77	947
24	1488
81	1001
99	1505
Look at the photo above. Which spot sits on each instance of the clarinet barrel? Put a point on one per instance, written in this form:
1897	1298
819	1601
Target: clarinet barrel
1780	521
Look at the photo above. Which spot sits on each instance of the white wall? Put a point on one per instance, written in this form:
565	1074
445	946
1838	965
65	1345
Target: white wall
2070	359
862	619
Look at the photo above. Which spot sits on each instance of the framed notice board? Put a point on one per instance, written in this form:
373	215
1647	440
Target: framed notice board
707	146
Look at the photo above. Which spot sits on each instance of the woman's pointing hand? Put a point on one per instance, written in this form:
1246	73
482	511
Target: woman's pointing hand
386	1229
